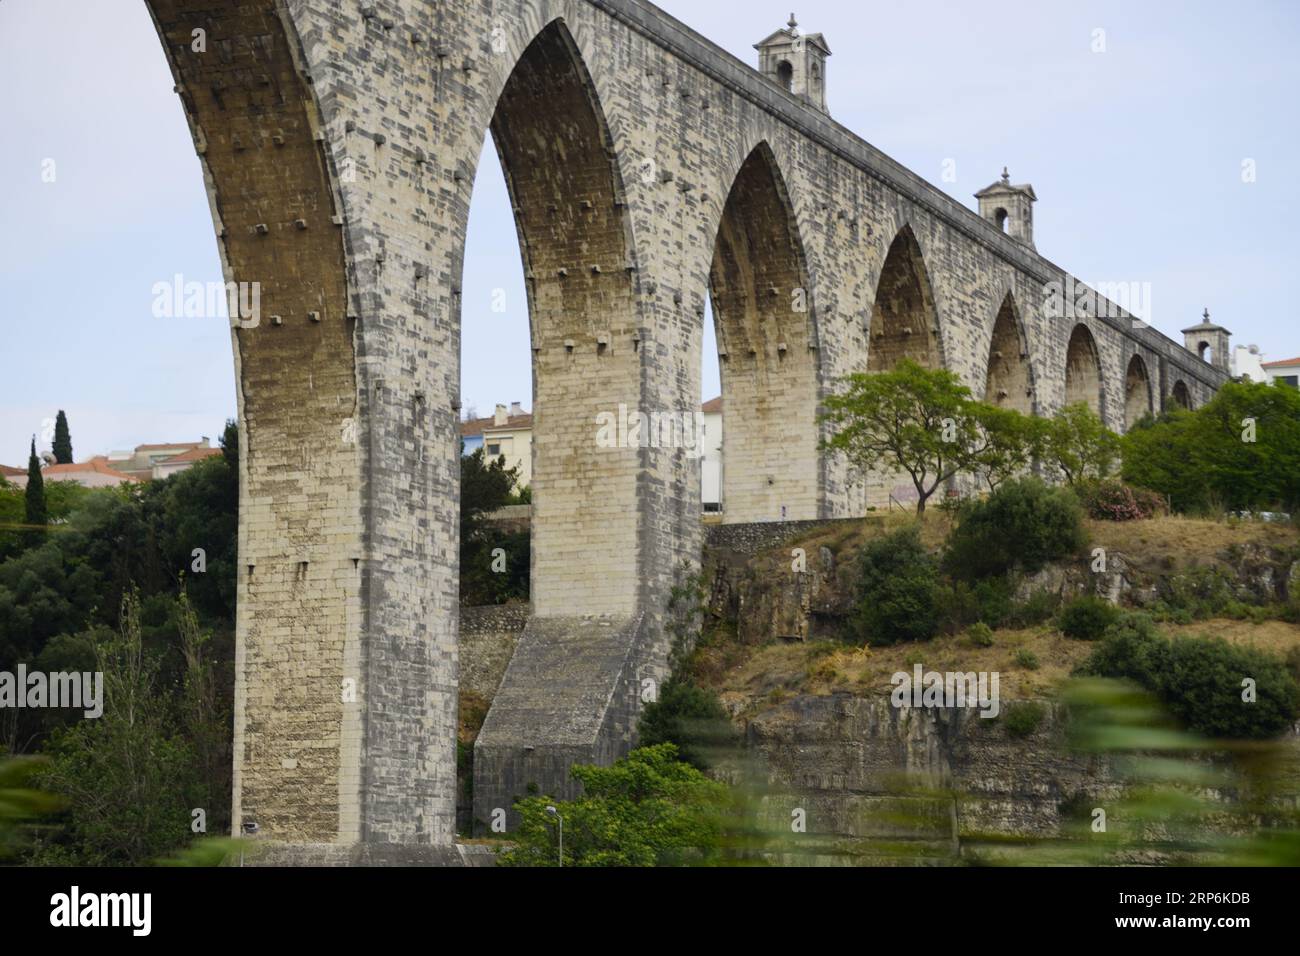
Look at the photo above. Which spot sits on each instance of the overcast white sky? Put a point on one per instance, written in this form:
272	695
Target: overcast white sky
1135	154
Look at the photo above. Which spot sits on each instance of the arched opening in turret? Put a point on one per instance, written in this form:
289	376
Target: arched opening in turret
785	75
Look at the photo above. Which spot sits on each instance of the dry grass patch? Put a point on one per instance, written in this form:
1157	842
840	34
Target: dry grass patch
1275	637
776	672
1178	538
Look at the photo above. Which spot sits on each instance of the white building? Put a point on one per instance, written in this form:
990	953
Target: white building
1248	361
509	434
711	458
1284	372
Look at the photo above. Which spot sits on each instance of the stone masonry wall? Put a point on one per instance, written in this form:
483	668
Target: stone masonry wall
340	142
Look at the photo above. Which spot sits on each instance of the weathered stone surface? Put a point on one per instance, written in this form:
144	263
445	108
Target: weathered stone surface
840	758
644	163
570	695
488	636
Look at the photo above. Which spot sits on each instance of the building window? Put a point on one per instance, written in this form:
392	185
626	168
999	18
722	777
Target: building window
494	450
1292	380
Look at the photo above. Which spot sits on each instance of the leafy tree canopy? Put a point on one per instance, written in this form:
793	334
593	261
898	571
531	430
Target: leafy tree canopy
648	809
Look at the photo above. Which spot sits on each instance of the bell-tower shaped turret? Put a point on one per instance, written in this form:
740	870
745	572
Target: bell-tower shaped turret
796	63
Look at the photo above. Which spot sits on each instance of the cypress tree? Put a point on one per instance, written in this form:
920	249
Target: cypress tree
35	498
62	440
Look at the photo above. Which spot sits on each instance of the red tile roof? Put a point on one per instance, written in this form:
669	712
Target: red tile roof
194	454
713	405
477	426
172	444
98	465
1294	361
12	472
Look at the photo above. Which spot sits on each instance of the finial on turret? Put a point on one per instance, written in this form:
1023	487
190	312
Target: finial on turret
1206	314
793	24
1006	176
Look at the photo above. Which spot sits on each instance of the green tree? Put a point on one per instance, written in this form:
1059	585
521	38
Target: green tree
911	419
898	590
20	802
1023	525
1241	451
35	516
1077	442
689	717
128	778
1011	442
648	809
62	440
199	509
1201	679
205	718
488	577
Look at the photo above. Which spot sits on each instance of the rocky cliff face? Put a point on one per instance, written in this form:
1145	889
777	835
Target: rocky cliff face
772	587
873	782
931	782
842	759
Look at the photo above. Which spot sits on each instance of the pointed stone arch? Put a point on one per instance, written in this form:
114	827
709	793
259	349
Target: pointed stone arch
1083	370
566	189
1137	392
1010	381
1180	396
762	307
904	321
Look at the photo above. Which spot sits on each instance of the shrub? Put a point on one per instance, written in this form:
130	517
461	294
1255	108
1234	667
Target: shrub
648	809
1086	618
898	586
1116	501
1023	719
1037	608
1023	525
1200	679
1027	659
1201	462
1293	662
1201	591
980	634
690	717
992	602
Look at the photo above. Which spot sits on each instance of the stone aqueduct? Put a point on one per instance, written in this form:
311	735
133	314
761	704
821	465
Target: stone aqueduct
648	170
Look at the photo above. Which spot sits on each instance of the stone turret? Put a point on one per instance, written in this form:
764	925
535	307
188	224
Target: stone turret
1211	342
1010	208
796	63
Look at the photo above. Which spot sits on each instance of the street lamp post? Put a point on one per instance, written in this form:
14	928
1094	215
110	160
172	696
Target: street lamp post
552	812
